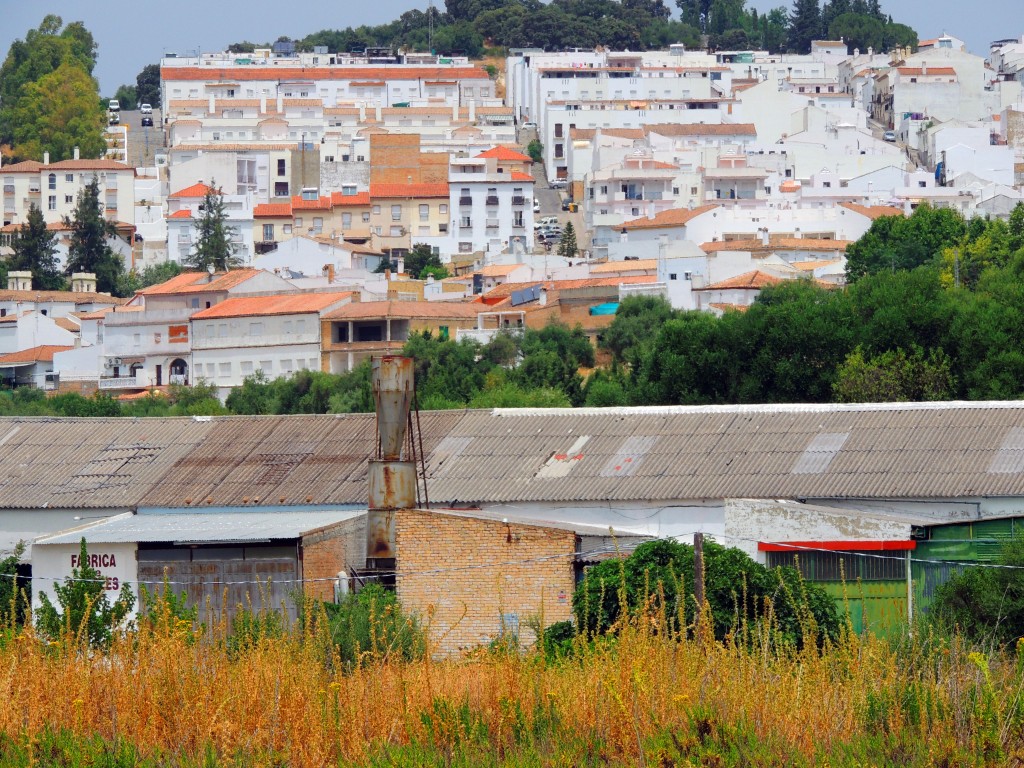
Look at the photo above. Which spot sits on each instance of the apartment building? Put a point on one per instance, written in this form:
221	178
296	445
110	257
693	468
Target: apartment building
185	208
492	201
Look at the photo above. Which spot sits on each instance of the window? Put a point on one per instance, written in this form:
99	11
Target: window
194	303
424	212
222	330
69	199
465	222
348	189
51	202
396	213
298	222
300	326
443	330
281	167
442	209
346	219
287	326
280	189
517	218
465	247
225	369
267	366
255	329
318	224
397	231
286	366
376	210
69	177
52	181
246	366
366	216
286	229
268	232
672	276
604	189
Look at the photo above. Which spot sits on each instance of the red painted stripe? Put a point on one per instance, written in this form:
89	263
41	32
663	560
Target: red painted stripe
836	546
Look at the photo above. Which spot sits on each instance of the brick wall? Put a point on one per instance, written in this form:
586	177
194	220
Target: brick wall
85	388
468	603
326	551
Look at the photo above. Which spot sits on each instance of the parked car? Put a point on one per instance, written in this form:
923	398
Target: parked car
549	221
113	118
559	184
889	136
113	106
566	205
536	205
146	109
529	126
147	121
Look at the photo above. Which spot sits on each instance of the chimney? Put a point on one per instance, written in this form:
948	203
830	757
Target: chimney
924	67
46	158
542	300
19	281
871	50
83	282
763	231
330	274
76	154
392	480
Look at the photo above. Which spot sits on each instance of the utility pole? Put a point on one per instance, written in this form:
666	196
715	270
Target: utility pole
698	570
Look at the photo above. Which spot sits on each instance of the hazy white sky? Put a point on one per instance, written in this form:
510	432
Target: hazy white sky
133	33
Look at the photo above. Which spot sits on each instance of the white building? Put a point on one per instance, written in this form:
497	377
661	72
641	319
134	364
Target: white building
275	335
185	208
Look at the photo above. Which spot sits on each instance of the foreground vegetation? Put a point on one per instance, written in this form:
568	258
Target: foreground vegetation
171	695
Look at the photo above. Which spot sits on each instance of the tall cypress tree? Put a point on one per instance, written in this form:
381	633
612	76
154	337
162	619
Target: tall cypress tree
804	25
35	249
213	247
90	249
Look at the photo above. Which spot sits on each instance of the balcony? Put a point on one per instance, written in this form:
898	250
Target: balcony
121	382
465	201
518	200
492	200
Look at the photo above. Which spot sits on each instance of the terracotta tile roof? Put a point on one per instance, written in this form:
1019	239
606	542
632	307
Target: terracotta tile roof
405	309
520	176
68	324
748	280
777	243
360	198
100	314
25	166
439	189
215	146
505	290
624	266
200	282
873	211
810	266
69	297
184	213
196	190
506	153
674	217
43	354
280	304
582	134
89	165
276	73
272	210
299	203
498	270
726	307
919	71
703	129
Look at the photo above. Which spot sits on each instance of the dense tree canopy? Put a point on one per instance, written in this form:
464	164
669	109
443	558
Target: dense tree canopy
35	249
48	98
90	249
147	85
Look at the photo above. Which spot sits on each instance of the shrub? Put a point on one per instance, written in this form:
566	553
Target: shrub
370	624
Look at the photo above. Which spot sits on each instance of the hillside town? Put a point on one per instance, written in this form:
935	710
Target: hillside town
694	176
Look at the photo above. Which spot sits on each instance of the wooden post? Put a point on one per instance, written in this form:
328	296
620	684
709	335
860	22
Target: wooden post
698	569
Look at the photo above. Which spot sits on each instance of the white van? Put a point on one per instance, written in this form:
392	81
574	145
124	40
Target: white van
113	106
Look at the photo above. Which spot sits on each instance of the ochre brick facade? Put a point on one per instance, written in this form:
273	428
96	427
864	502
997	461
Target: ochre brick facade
326	551
529	578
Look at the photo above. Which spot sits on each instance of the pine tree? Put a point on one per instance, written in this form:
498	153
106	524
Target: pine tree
90	250
35	250
213	246
804	25
567	245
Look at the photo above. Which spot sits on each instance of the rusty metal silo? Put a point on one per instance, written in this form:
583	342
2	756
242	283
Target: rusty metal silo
392	474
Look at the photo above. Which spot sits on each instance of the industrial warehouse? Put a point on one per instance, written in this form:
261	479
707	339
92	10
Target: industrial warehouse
520	498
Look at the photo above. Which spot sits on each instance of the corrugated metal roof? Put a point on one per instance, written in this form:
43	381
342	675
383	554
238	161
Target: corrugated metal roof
200	527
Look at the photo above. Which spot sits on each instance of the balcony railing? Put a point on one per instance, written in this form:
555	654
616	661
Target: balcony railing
518	200
492	200
465	201
120	382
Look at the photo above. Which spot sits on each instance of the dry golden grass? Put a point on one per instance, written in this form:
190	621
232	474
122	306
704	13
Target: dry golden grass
167	690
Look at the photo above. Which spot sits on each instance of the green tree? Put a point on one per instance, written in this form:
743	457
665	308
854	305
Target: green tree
894	376
636	322
15	591
35	249
659	575
804	25
55	114
147	85
90	250
898	243
985	604
154	274
214	247
85	610
422	261
536	151
127	97
567	246
41	53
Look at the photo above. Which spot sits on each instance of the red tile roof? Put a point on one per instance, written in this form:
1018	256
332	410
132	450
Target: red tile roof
280	304
520	176
777	243
703	129
439	189
89	165
873	211
25	166
405	309
43	354
360	198
506	153
201	282
748	280
275	73
184	213
196	190
674	217
272	210
919	71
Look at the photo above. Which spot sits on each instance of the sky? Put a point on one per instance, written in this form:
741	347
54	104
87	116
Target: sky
134	33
